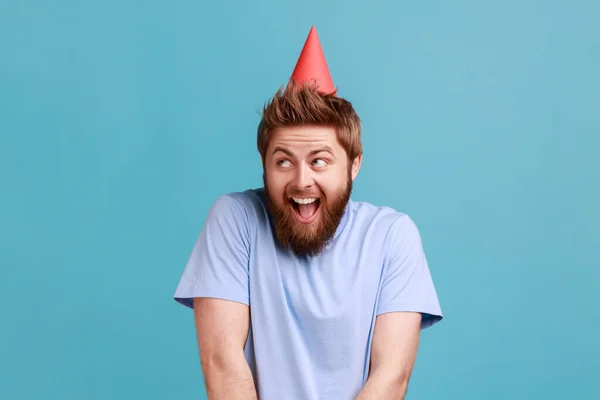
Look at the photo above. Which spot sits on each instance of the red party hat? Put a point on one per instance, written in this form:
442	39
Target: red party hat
312	66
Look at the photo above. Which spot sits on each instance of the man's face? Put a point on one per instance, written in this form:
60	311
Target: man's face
308	181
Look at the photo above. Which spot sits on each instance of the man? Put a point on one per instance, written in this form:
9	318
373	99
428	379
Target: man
299	292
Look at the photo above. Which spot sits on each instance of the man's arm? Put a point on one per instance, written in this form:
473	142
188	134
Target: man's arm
222	329
393	354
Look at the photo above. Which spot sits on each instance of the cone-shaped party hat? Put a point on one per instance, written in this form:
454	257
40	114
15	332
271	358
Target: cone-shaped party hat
312	66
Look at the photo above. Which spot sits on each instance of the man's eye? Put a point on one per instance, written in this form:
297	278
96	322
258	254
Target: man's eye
283	163
319	162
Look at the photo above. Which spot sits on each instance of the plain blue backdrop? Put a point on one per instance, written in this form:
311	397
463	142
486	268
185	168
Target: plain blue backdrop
122	121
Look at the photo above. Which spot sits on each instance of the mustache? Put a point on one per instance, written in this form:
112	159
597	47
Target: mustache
305	193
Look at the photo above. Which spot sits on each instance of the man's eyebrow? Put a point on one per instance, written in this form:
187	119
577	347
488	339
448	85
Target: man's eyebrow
283	150
325	149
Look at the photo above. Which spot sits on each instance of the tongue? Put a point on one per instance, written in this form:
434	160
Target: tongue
307	210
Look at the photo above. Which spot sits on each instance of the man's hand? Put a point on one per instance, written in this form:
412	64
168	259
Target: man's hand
393	354
222	330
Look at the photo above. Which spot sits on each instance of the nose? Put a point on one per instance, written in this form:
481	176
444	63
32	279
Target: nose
303	178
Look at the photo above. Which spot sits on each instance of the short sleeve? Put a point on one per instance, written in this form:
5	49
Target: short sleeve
407	284
218	264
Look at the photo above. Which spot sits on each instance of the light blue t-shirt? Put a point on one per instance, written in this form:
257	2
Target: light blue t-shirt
312	318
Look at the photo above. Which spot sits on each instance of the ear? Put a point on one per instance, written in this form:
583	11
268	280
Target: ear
356	165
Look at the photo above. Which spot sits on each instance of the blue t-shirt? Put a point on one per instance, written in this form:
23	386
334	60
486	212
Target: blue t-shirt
312	318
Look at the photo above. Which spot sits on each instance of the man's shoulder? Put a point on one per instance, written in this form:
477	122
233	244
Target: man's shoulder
246	205
249	197
385	222
365	212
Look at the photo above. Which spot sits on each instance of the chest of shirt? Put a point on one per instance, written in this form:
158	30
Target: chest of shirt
337	288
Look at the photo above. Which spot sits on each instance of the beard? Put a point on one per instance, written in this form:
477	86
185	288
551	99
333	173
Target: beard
307	239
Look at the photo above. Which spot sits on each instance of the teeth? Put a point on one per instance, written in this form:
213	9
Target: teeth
305	201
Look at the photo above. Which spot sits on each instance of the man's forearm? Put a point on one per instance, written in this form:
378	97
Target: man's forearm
229	380
384	386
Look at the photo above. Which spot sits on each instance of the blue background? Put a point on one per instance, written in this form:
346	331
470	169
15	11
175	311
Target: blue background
122	121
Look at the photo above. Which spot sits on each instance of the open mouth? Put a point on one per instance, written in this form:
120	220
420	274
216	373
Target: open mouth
305	209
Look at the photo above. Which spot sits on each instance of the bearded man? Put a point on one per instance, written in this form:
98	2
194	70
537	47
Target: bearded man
299	292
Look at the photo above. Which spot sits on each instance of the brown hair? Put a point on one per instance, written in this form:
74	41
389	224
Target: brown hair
298	105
